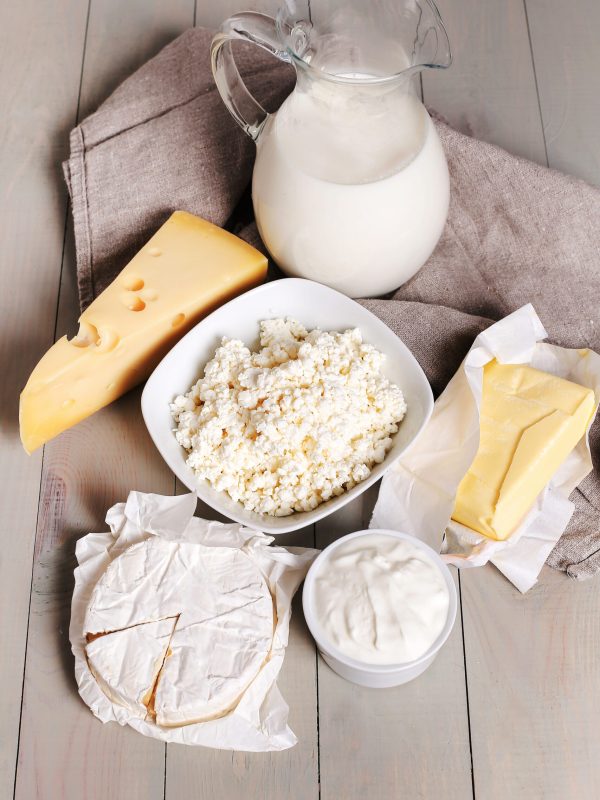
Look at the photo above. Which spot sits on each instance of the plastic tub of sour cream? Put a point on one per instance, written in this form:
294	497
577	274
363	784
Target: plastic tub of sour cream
380	604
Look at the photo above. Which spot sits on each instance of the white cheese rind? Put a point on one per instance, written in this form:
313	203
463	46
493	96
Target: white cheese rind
126	663
217	680
225	624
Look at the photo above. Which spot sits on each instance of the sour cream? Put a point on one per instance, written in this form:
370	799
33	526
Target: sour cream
380	599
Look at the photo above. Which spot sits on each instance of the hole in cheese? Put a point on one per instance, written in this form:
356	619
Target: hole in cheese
149	294
133	283
177	320
109	339
133	302
86	335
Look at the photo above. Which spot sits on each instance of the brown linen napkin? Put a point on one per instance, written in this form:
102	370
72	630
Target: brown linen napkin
516	232
162	141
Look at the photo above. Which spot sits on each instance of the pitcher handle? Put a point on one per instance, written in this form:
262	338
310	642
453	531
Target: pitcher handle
248	26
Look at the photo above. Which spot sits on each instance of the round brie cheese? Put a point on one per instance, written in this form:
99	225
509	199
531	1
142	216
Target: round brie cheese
127	663
221	614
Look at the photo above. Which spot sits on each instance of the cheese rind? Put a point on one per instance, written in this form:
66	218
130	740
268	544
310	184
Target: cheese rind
224	629
188	268
126	663
530	422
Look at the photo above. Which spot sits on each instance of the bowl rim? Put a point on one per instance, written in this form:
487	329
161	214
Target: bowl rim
254	520
324	643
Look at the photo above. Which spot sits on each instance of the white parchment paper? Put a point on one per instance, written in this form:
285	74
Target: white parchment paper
259	721
417	494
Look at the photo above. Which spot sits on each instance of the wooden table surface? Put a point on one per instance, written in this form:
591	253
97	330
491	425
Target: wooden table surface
511	707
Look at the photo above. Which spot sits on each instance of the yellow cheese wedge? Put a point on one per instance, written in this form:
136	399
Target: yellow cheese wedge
530	422
188	268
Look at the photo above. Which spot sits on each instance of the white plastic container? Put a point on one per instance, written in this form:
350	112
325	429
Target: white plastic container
374	675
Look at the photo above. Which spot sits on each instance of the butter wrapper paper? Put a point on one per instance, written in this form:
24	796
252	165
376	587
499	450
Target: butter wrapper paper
417	494
259	720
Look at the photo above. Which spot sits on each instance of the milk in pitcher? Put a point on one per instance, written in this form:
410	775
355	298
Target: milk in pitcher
345	200
350	185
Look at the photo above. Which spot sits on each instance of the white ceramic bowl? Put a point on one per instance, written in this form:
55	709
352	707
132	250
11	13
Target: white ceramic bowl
374	675
315	306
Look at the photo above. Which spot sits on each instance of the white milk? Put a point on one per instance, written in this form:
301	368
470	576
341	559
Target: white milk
350	186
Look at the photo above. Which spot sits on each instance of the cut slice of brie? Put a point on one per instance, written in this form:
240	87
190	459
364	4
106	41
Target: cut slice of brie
126	663
222	636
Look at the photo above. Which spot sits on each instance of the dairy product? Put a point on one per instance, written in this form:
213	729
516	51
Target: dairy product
187	268
221	616
530	421
288	427
380	599
127	663
349	190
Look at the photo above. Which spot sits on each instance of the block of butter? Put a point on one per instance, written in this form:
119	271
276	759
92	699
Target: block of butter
530	421
188	268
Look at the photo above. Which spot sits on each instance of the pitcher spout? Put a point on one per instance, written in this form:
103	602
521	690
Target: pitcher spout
381	41
431	48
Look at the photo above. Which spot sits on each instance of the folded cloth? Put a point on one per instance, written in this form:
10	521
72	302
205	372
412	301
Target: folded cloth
516	232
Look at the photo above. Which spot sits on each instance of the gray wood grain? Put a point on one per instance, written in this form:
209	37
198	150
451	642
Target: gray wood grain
533	663
564	38
262	776
489	91
40	57
210	14
410	741
64	751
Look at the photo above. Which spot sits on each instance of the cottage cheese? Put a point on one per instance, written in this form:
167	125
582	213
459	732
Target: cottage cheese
293	424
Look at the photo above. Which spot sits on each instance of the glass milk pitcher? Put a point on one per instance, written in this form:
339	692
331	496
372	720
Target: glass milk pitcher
350	186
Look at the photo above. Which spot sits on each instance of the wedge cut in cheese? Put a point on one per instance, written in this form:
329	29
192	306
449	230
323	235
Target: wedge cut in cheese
127	663
222	636
530	422
187	269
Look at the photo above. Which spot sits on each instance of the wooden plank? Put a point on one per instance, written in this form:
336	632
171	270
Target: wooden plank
210	14
293	773
564	38
531	660
408	741
533	666
134	32
41	46
64	751
489	91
